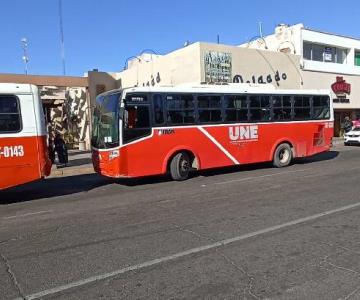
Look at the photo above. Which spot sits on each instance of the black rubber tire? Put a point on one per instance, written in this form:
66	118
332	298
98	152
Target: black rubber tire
180	166
282	156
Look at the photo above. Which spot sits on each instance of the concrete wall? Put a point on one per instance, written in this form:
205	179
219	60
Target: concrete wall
179	66
257	66
100	82
317	80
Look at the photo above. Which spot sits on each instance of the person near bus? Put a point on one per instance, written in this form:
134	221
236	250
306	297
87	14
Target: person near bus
61	149
51	150
347	124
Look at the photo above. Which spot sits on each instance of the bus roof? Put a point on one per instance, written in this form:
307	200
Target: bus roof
17	88
225	88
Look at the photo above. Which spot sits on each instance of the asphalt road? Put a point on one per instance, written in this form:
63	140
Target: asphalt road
252	232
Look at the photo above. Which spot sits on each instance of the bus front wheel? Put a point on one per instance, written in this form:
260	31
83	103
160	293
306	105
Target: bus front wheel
282	156
180	166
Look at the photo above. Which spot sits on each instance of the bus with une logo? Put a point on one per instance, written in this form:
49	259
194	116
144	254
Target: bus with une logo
23	137
143	131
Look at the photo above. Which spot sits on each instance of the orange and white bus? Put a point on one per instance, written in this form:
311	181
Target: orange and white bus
145	131
23	137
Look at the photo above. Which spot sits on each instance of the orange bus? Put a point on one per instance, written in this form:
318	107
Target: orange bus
145	131
23	142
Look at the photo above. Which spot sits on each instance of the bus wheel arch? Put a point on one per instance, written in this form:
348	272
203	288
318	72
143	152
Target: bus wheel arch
178	161
282	154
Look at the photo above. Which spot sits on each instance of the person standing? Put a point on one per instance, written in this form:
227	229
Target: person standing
61	149
347	124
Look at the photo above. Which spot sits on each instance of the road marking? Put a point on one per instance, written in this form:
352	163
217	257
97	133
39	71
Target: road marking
186	253
261	176
29	214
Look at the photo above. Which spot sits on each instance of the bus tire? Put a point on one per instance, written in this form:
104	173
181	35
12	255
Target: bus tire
180	166
282	156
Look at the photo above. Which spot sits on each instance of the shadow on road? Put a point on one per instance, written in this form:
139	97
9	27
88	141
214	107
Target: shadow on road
60	186
318	157
52	187
227	170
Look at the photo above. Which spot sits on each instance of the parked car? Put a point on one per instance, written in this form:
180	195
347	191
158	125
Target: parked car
352	137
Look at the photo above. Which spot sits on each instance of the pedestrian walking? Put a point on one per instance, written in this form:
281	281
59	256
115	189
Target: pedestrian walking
61	149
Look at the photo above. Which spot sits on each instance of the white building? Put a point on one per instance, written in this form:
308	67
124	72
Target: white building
320	51
327	60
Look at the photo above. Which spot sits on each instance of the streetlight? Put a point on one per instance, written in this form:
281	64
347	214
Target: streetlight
25	58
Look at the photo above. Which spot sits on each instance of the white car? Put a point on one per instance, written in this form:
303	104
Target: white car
352	137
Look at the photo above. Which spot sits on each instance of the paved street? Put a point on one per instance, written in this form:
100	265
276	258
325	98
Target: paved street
252	232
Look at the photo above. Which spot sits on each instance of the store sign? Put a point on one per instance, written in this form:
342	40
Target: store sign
217	66
261	79
340	87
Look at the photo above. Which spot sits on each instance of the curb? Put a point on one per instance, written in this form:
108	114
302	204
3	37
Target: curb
338	141
71	172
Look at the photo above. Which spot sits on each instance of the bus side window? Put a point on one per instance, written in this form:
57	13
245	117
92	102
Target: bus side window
158	109
136	122
302	109
260	109
209	108
236	108
180	109
321	107
281	107
10	117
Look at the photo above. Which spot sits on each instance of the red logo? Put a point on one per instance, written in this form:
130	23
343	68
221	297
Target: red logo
340	86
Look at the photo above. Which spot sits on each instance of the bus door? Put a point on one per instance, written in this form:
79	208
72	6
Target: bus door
19	148
136	120
136	126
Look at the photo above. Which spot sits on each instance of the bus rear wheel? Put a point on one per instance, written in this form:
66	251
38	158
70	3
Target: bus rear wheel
282	156
180	166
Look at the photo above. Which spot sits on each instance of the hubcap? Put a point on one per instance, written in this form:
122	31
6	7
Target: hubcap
284	156
184	166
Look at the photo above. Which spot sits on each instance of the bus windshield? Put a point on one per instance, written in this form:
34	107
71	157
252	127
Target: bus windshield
105	131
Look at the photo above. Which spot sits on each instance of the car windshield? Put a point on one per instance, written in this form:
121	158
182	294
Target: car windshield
105	129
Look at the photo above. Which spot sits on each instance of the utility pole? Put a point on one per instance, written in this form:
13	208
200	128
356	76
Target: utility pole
62	38
25	58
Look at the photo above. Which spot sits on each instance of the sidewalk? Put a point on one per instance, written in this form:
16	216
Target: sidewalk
337	141
79	164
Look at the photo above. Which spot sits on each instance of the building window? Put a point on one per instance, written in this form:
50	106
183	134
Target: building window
324	53
10	117
357	58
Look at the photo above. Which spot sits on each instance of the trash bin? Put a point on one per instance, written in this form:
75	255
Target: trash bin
82	146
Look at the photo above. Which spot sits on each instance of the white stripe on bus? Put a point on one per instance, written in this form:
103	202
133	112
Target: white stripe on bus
211	138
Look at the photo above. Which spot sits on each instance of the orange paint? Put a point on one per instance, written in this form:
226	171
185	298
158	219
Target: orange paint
22	160
151	155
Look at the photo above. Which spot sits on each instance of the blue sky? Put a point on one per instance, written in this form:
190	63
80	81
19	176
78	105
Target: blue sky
103	34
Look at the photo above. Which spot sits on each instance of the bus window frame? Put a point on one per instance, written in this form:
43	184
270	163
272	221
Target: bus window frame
148	104
197	108
234	109
152	109
169	124
19	114
223	108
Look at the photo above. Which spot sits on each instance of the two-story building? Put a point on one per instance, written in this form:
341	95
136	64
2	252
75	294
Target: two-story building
327	61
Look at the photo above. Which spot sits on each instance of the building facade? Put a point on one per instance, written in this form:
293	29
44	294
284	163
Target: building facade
294	57
327	61
66	105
